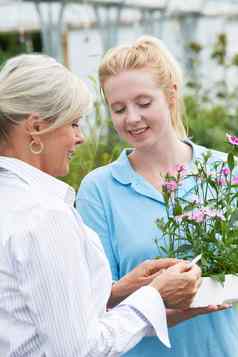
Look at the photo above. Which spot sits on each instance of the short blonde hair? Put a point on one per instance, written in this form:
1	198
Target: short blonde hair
150	53
34	83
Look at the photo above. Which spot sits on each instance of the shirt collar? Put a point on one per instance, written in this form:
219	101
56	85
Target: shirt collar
123	172
38	179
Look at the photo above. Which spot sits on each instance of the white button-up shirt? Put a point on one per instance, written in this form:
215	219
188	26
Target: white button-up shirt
55	280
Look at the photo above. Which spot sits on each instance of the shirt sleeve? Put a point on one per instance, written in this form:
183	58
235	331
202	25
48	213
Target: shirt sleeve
53	276
91	209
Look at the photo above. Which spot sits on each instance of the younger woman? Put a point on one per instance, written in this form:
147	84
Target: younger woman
142	85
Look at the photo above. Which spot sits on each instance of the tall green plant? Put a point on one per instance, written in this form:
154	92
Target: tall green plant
205	222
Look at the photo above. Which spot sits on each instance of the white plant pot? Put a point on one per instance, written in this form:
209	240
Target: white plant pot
211	292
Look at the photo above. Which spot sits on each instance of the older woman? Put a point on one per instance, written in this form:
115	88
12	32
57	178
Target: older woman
54	278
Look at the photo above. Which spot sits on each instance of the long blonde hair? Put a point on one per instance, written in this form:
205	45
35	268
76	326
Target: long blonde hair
34	83
150	53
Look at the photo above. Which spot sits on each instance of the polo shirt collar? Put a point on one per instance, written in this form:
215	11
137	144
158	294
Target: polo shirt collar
123	172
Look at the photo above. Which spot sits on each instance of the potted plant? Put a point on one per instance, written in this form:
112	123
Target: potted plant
205	222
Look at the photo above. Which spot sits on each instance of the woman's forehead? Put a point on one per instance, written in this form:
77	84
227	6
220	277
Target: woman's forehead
134	83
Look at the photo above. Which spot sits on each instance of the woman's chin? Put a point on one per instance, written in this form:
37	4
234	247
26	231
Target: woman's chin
64	172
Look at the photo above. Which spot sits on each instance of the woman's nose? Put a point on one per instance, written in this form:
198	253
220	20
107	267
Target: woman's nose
79	138
133	116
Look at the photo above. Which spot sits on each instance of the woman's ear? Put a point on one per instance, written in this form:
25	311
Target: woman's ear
173	94
34	124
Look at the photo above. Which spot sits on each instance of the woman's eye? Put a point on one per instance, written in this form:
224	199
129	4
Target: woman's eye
75	125
119	111
145	104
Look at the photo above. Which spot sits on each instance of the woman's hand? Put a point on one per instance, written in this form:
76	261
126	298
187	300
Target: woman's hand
178	285
175	316
142	275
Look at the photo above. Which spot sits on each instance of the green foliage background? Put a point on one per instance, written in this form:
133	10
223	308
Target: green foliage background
209	115
12	44
210	112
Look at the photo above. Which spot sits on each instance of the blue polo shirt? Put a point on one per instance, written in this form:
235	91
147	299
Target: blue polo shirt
122	207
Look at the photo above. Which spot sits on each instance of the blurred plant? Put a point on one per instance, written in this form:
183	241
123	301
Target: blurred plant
207	123
220	49
12	44
194	50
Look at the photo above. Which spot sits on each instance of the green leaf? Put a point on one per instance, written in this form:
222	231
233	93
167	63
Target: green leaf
212	184
184	248
164	250
177	209
231	161
219	277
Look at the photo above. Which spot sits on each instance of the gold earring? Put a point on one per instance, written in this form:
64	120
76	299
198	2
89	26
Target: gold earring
34	150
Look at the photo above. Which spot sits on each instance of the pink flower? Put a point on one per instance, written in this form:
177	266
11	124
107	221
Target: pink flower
170	185
201	215
198	216
180	168
225	171
213	213
232	139
235	180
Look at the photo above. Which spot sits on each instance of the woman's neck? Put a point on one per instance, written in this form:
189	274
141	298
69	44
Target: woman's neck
21	153
162	158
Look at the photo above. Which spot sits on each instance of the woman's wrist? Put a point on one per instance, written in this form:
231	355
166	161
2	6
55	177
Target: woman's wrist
121	289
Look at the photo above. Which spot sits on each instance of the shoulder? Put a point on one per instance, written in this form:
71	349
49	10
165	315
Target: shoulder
106	176
43	236
102	178
98	175
105	182
24	210
98	180
215	155
95	184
